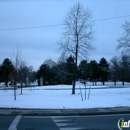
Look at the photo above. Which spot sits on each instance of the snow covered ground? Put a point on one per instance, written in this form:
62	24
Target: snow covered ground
41	97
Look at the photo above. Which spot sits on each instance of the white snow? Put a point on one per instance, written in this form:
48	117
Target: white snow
49	98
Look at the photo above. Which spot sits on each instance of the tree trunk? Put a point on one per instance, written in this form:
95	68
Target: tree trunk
14	92
6	83
123	83
73	88
103	83
21	88
115	82
89	92
75	65
13	85
74	79
38	81
85	91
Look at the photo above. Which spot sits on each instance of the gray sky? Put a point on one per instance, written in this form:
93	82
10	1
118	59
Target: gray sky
40	44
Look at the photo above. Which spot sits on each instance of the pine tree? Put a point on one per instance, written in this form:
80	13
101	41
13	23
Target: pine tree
104	70
83	71
70	69
6	70
94	71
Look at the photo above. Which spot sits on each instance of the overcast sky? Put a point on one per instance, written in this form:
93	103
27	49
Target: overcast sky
39	44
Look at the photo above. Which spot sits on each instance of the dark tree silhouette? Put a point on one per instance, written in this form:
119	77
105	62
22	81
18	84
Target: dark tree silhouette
6	69
104	70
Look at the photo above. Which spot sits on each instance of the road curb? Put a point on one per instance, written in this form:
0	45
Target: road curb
63	112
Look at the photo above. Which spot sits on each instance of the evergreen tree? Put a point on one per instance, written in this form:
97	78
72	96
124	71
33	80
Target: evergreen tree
83	71
32	76
70	69
94	71
60	71
44	72
6	70
1	77
104	70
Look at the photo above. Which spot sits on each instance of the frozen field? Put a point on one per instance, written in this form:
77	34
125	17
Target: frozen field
41	97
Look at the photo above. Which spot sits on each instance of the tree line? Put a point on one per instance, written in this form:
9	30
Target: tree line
62	72
52	73
117	69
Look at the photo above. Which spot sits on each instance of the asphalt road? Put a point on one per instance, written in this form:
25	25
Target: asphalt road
90	122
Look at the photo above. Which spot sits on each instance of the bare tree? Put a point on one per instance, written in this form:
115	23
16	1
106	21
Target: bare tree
124	40
120	68
114	69
50	63
31	74
25	72
16	58
78	35
124	67
22	71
